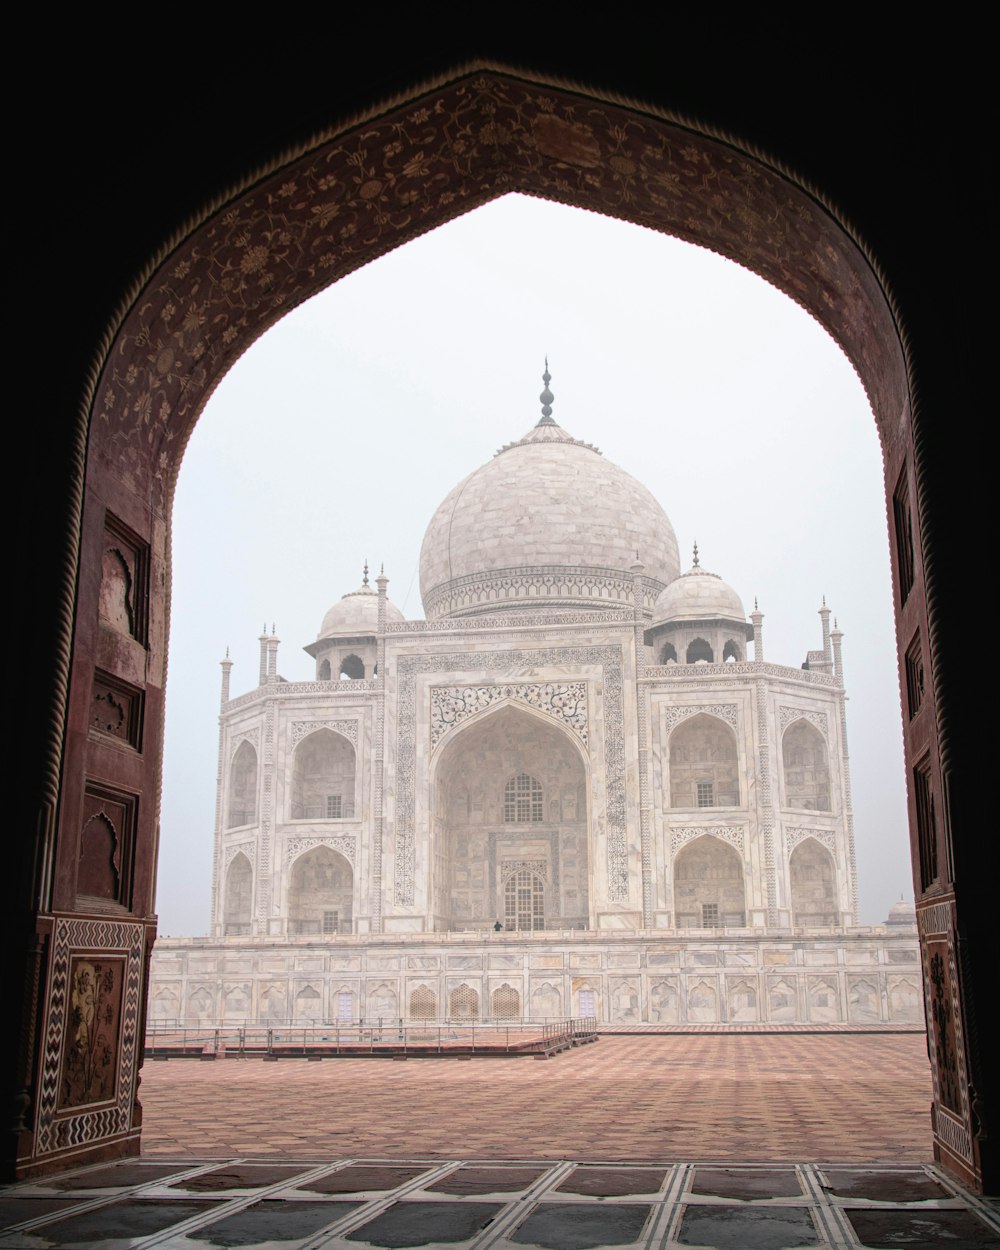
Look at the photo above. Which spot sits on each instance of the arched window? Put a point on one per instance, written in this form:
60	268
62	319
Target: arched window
324	671
242	787
806	768
522	800
238	904
323	778
709	885
731	652
704	767
814	885
524	901
423	1003
699	650
321	893
463	1003
669	654
351	668
506	1003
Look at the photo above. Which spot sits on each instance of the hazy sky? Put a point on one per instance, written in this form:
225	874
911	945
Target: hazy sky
338	434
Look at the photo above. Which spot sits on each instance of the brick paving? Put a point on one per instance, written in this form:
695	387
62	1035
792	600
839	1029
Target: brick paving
738	1097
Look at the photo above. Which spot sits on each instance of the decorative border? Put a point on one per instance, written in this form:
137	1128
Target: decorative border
609	658
565	702
246	735
738	668
78	936
515	620
546	585
735	835
300	729
249	849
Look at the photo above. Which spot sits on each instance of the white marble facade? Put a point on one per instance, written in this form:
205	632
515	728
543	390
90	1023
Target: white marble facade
573	746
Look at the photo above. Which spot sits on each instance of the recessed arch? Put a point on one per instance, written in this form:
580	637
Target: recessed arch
237	906
704	763
242	808
320	893
805	765
323	777
813	880
709	885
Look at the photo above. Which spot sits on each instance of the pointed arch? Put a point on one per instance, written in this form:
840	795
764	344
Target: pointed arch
237	905
242	807
709	885
813	881
324	770
699	649
704	763
321	893
805	767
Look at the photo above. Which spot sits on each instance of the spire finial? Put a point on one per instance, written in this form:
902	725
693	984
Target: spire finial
273	628
824	601
364	579
696	554
227	651
546	397
755	608
381	569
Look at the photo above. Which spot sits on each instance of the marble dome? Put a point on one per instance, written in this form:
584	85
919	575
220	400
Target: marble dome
698	595
547	522
356	615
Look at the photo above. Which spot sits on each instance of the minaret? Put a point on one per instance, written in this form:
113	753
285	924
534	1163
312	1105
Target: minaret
263	655
757	617
836	638
272	656
227	667
378	777
642	711
824	616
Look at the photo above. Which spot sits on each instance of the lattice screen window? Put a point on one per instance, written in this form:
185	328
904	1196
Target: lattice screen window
334	806
464	1003
706	794
710	915
522	800
506	1003
524	901
423	1004
331	922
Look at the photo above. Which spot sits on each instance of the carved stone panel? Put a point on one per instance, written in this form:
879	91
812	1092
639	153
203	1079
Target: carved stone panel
90	1043
123	603
566	702
107	847
116	709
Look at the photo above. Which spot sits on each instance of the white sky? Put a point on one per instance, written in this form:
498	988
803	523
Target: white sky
337	435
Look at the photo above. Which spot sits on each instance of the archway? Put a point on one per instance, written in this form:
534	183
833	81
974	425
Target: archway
320	893
511	826
812	874
323	778
709	885
217	289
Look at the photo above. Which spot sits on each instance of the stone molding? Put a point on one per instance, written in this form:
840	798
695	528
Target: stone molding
300	729
510	621
549	585
288	689
249	849
608	658
656	673
565	702
735	835
511	867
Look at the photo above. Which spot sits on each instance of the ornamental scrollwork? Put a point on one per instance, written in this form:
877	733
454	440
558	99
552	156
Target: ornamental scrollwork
733	834
824	836
672	716
343	844
565	701
302	728
511	867
246	735
786	715
249	849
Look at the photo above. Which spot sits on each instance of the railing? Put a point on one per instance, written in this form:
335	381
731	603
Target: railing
317	811
392	1038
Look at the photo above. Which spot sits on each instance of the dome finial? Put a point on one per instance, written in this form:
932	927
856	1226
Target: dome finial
364	579
546	397
696	553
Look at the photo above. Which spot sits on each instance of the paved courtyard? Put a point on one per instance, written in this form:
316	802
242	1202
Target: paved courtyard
750	1097
752	1142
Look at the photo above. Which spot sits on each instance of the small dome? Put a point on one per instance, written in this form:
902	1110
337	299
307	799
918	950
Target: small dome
698	595
356	615
902	913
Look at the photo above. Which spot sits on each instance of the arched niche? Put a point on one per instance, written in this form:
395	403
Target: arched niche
237	908
323	671
698	650
352	668
505	1003
323	777
242	808
805	767
704	764
668	654
813	880
321	893
709	885
509	796
732	651
463	1003
423	1003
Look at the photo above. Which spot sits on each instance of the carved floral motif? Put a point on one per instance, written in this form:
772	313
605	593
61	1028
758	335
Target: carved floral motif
565	701
302	728
735	835
824	836
786	715
343	844
672	716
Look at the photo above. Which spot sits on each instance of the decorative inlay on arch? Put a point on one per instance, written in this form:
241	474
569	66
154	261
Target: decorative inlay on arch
343	844
824	836
249	849
251	735
672	716
735	835
607	658
566	702
788	715
300	729
511	867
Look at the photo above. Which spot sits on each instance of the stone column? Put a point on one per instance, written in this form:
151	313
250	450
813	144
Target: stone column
272	656
263	656
836	638
220	778
227	668
642	719
758	632
824	616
